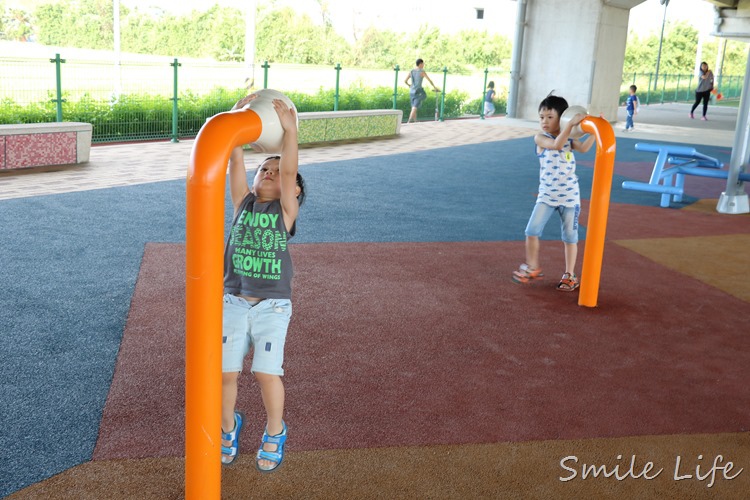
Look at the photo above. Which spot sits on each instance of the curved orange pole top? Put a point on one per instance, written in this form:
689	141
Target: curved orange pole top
221	133
601	187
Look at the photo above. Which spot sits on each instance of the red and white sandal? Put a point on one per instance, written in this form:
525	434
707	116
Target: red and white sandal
525	274
568	283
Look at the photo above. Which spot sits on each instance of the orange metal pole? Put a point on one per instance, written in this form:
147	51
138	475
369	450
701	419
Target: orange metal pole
604	166
206	183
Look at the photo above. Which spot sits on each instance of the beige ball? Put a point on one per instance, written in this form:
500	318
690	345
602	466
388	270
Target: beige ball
568	115
272	135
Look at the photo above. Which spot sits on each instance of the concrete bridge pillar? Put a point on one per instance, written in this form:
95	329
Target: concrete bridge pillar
576	49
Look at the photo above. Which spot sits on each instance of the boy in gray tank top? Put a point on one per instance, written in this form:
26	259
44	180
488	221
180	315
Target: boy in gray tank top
258	287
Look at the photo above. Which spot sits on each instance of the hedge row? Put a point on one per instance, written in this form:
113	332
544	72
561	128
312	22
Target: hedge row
143	116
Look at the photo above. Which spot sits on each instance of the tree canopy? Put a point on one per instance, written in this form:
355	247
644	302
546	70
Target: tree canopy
283	36
679	49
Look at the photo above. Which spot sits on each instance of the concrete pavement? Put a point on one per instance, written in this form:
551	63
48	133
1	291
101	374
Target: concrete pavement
138	163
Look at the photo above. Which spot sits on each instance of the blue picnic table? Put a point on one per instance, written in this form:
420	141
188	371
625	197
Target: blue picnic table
672	164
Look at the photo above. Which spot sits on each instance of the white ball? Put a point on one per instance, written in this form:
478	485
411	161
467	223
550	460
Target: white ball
568	115
272	134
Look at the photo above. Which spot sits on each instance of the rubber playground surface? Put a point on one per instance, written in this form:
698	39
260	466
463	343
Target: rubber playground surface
415	367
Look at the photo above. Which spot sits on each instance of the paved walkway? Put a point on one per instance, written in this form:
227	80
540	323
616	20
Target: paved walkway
138	163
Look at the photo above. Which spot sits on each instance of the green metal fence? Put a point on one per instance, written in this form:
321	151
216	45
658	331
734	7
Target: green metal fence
171	99
676	87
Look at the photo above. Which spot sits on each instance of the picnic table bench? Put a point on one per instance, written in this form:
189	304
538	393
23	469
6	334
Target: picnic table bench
672	164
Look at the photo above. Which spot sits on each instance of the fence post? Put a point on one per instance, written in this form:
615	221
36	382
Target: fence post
395	86
663	88
729	85
442	97
484	89
648	91
265	67
677	88
175	117
690	85
336	94
58	76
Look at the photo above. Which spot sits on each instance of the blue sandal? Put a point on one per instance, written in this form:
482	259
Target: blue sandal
229	453
272	456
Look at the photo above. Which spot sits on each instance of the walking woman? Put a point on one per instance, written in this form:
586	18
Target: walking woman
703	91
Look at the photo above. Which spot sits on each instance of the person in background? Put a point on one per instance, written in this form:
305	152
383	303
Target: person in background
631	106
489	98
703	91
417	93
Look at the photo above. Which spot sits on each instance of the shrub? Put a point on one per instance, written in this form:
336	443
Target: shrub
131	117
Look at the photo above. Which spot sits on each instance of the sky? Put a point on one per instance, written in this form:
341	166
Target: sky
401	15
647	17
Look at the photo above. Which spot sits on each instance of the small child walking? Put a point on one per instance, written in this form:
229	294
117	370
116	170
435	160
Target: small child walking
558	191
631	106
258	287
489	100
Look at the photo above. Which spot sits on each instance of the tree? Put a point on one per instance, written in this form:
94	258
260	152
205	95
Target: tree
282	36
16	25
436	49
678	52
85	24
139	34
228	35
678	56
735	58
51	24
378	49
482	50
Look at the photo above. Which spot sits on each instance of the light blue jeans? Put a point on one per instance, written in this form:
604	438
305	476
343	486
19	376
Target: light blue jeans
264	325
568	221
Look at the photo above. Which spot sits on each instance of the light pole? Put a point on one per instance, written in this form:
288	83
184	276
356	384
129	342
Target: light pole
118	62
665	3
250	13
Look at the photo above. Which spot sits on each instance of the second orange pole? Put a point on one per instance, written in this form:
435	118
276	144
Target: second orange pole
601	187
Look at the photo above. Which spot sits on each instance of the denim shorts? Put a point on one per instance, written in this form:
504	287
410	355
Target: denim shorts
568	221
417	97
264	325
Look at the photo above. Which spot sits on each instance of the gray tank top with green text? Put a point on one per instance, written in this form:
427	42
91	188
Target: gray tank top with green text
257	262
